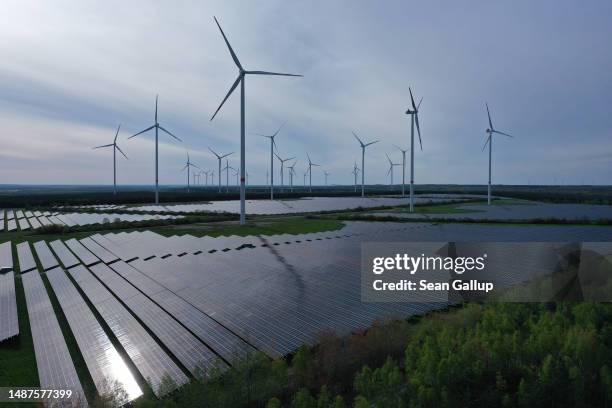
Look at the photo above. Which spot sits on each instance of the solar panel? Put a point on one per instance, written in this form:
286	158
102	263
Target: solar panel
150	359
10	215
55	367
23	224
81	252
45	256
26	259
98	250
192	353
9	325
6	257
103	361
66	257
11	225
34	223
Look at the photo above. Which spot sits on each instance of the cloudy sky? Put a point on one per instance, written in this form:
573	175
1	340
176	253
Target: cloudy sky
71	71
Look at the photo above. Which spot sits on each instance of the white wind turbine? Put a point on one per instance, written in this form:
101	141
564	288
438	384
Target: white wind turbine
242	73
157	128
219	158
490	131
363	147
355	172
206	173
310	164
282	161
115	147
291	174
326	175
227	169
414	118
391	166
188	166
272	148
403	168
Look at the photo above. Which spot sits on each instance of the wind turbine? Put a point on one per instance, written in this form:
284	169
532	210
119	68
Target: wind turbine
272	147
206	173
490	131
282	161
403	167
227	169
291	174
219	157
391	165
305	174
355	172
414	118
188	166
326	174
236	173
363	146
242	73
115	148
310	164
157	128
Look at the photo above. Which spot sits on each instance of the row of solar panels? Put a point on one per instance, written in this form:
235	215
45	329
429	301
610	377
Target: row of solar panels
27	220
304	205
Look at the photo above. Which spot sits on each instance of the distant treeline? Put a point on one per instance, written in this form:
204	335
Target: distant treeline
493	355
28	197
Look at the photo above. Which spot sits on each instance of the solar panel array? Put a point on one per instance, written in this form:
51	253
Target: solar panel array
303	205
9	323
26	259
55	367
106	366
27	220
150	359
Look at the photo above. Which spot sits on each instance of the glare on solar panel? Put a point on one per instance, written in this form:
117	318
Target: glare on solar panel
103	361
6	257
55	367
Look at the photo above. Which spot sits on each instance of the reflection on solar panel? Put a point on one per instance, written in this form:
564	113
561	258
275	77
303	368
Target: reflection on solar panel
150	359
26	259
6	257
81	252
63	253
46	258
55	367
217	337
99	251
104	363
9	325
194	355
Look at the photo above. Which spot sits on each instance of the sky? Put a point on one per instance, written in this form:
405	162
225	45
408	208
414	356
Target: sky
72	71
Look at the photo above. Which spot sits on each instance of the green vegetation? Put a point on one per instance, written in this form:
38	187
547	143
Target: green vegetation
526	355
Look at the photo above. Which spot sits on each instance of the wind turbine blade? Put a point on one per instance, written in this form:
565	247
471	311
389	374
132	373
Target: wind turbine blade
371	143
388	158
117	134
229	47
291	158
502	133
225	155
183	169
279	129
146	130
170	133
124	155
419	104
390	168
99	147
227	96
358	139
416	119
271	73
156	97
489	115
262	135
309	161
486	142
414	107
215	153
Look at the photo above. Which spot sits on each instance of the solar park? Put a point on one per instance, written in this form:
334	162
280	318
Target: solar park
148	310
